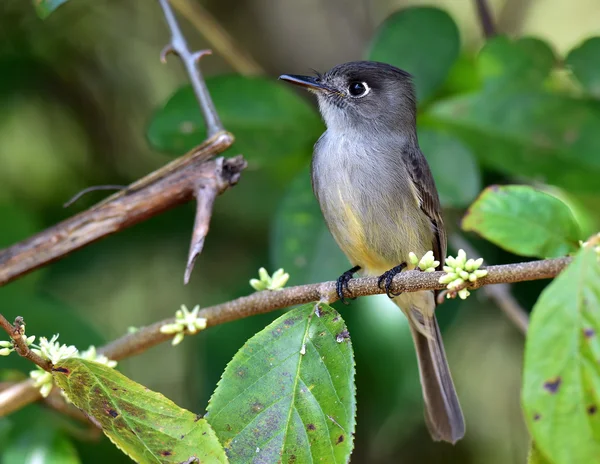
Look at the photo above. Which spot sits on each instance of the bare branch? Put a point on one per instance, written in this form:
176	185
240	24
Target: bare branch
163	189
190	60
485	18
16	333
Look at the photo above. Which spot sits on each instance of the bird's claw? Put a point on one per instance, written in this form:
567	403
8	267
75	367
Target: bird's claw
388	277
342	285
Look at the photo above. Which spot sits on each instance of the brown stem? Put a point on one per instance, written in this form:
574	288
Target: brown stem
17	333
267	301
163	189
485	18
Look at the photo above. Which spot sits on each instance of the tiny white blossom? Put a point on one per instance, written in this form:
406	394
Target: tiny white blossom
185	320
6	344
54	351
427	263
92	355
460	270
265	282
6	351
42	380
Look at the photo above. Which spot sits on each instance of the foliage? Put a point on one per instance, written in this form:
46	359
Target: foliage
514	114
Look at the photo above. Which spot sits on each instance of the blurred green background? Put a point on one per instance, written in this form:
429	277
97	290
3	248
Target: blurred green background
83	101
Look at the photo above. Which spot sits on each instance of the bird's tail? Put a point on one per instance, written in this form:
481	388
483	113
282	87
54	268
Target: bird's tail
443	414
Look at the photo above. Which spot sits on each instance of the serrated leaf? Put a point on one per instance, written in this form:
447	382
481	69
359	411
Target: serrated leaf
43	8
453	166
525	62
561	378
144	424
288	395
524	221
584	61
300	242
421	40
274	128
547	137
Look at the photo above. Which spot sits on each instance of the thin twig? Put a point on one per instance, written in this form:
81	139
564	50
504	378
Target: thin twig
500	293
93	188
190	60
267	301
218	37
485	18
16	333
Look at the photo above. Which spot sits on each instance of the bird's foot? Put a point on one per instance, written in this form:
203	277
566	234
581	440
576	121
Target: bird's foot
388	277
342	284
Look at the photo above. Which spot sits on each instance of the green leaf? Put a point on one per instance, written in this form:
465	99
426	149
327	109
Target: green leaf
549	138
421	40
288	395
584	61
39	444
561	378
274	128
535	456
43	8
524	221
454	168
300	242
525	62
144	424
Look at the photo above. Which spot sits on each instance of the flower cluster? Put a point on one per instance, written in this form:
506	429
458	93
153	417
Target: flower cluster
460	271
427	263
266	282
7	347
185	320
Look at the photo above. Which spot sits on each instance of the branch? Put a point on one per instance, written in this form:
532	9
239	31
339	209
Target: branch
16	333
500	293
485	18
193	175
266	301
218	38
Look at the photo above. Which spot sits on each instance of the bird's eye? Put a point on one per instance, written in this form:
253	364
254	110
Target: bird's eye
358	89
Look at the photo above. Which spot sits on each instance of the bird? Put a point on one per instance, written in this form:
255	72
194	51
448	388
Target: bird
379	201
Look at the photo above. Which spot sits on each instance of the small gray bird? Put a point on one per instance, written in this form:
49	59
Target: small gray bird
380	203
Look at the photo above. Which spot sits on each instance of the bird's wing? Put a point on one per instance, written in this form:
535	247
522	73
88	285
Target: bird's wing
430	202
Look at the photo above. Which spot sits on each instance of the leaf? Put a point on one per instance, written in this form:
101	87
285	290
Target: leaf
561	378
524	221
288	395
584	62
421	40
525	62
274	128
300	242
550	138
535	456
144	424
43	8
454	168
39	444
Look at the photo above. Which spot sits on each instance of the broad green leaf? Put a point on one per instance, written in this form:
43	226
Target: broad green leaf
45	7
525	62
584	61
454	168
300	242
39	444
549	138
288	395
524	221
421	40
561	378
144	424
535	456
274	128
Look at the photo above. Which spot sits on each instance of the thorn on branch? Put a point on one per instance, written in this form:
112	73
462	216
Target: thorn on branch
485	18
178	46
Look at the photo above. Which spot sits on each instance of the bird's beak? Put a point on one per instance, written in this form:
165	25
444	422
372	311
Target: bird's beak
310	82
